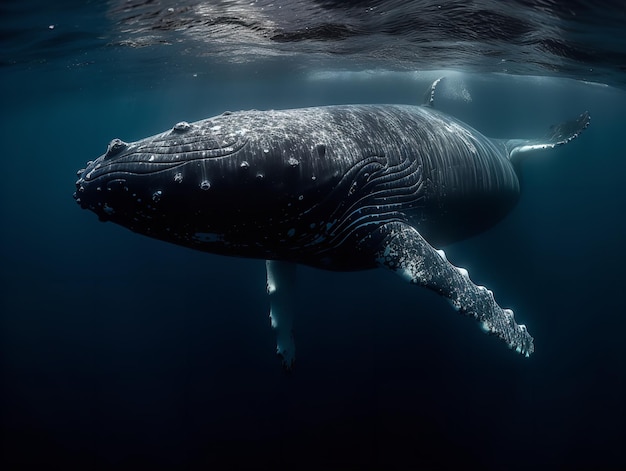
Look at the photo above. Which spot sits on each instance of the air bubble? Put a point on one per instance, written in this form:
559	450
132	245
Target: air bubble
244	165
205	185
178	178
156	196
260	176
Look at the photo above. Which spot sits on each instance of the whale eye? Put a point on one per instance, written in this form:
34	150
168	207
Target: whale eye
115	147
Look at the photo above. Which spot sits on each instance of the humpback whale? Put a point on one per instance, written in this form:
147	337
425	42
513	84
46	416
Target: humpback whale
343	187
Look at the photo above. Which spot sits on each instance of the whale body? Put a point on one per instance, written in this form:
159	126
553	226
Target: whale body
346	187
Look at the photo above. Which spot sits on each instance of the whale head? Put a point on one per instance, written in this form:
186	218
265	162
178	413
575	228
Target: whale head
181	185
209	185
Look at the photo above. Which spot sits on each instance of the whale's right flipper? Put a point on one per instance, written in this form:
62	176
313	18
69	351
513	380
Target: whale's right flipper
404	251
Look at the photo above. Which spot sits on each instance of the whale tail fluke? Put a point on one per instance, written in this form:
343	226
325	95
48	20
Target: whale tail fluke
557	135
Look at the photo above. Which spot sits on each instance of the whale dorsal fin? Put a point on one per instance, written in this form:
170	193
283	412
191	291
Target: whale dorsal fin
429	97
557	135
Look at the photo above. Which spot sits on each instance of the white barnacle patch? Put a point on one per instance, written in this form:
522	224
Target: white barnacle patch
216	128
456	305
406	274
178	177
293	162
181	127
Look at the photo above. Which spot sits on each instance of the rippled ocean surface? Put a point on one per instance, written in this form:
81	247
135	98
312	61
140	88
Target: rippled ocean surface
122	352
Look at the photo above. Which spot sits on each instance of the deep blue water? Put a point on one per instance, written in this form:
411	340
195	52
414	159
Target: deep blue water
119	351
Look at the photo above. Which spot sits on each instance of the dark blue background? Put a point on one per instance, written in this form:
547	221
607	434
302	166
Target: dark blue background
119	351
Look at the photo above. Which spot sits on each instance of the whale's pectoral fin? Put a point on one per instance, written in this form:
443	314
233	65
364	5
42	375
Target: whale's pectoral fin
405	251
281	284
557	135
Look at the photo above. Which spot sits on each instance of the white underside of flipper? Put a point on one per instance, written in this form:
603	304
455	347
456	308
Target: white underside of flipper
557	135
281	285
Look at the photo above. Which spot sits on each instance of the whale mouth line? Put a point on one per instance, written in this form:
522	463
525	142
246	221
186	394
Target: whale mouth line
192	150
139	168
146	163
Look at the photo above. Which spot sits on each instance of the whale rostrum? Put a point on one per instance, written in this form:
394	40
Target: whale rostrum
345	187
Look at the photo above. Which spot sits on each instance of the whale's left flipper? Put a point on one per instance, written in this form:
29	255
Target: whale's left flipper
557	135
405	251
281	284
